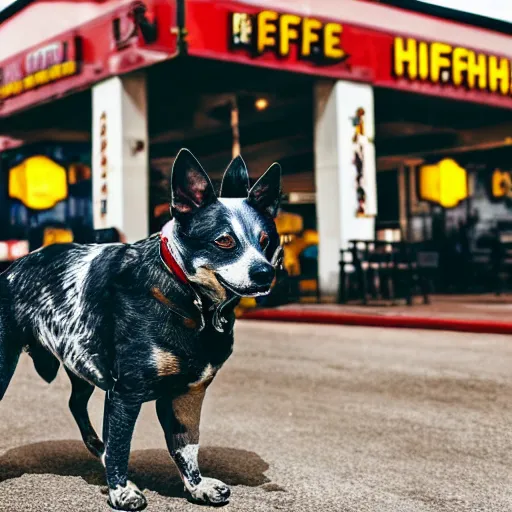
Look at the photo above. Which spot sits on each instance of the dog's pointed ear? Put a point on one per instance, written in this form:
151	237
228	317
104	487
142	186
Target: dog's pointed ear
265	194
235	182
191	187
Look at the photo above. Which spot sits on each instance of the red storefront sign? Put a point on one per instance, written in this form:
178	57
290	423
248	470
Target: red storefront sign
130	37
240	33
139	34
49	63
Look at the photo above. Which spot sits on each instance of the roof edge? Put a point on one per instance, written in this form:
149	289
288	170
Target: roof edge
467	18
13	9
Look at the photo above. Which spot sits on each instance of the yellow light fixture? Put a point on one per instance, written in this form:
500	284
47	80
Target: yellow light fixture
79	172
444	183
289	223
57	236
38	182
501	183
261	104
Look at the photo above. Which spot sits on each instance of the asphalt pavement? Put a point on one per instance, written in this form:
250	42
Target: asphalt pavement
301	418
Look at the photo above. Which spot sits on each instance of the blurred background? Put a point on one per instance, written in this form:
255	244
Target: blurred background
391	120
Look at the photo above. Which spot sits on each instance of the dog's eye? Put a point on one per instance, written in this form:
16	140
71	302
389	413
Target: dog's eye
225	242
264	240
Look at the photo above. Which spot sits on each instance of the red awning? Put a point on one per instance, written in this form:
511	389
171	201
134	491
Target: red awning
377	44
90	40
391	20
86	42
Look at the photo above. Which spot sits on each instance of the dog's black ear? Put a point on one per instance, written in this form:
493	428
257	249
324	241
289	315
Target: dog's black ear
235	182
191	187
265	194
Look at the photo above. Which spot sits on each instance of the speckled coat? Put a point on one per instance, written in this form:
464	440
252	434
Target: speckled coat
117	317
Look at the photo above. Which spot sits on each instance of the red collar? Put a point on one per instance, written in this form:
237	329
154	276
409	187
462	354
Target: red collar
169	261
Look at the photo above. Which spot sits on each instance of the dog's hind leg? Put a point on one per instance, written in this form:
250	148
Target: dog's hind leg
9	355
121	412
81	391
10	349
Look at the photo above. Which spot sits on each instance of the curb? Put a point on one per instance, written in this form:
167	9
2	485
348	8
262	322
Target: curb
405	322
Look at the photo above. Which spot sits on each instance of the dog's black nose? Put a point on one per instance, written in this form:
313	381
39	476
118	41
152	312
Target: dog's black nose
262	275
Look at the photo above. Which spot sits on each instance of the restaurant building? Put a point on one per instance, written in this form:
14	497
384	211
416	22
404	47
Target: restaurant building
387	122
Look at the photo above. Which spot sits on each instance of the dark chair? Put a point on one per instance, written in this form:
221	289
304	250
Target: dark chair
381	270
86	235
501	261
309	271
427	260
106	236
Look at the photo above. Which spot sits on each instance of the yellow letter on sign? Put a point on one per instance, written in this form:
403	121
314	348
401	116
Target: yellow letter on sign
460	65
266	30
288	24
499	72
310	35
332	41
477	67
439	60
405	53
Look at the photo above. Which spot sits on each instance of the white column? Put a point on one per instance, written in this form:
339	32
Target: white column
120	155
338	220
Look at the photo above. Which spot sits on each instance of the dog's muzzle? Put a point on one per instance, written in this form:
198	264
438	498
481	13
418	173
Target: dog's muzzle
277	264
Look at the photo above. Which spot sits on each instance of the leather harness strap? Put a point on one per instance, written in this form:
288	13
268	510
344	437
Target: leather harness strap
160	297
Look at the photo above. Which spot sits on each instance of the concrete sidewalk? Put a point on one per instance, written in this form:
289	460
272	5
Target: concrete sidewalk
467	313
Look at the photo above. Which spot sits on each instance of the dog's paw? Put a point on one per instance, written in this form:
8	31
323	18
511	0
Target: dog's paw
210	491
128	497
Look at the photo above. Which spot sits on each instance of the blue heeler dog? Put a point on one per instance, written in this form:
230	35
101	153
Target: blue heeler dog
147	321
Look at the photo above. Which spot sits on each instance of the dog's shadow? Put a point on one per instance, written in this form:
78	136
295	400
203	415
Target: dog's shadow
150	469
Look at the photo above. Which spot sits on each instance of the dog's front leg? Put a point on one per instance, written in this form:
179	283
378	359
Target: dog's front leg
118	424
180	420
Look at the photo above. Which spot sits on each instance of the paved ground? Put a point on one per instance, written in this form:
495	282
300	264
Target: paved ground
302	418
